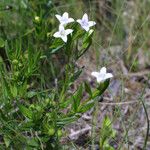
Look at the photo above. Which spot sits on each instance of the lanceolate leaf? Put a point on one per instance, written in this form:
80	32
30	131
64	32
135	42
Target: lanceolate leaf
77	99
101	88
87	106
88	89
25	111
66	120
56	49
89	103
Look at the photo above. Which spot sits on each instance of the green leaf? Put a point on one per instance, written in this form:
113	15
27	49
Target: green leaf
66	120
87	41
89	103
106	133
77	98
6	86
29	31
14	91
24	4
106	121
65	103
56	49
26	125
31	94
76	75
43	57
33	142
78	32
7	141
88	89
56	45
2	42
86	106
25	111
101	88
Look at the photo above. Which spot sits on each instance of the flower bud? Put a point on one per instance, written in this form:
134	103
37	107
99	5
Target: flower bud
59	132
15	61
37	19
51	131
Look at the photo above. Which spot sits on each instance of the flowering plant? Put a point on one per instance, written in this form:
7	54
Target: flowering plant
32	109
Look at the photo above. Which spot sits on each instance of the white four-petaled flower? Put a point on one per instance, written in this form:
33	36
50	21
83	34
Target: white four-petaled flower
64	19
85	23
102	75
62	33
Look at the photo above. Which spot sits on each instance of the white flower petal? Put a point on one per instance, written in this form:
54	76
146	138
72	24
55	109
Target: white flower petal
65	15
64	38
85	17
103	70
108	75
61	27
100	80
102	75
85	24
57	34
86	28
58	17
70	20
68	31
79	21
92	23
95	74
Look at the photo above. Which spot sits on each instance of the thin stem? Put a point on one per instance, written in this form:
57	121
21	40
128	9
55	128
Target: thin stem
147	133
94	121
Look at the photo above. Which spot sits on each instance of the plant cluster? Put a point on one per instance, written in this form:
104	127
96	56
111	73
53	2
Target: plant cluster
32	111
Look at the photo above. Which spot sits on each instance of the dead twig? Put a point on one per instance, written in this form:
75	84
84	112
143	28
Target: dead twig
119	103
75	134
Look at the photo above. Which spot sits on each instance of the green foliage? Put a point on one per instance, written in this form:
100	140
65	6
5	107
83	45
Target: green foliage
33	106
106	133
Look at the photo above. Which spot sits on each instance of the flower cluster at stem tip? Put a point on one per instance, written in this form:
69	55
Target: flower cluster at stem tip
64	20
62	33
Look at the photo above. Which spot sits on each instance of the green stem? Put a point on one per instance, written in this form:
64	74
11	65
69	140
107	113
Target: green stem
94	121
147	133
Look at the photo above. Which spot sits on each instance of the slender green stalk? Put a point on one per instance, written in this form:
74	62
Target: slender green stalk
94	122
147	132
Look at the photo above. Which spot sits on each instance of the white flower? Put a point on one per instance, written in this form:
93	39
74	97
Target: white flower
62	33
102	75
64	19
85	23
